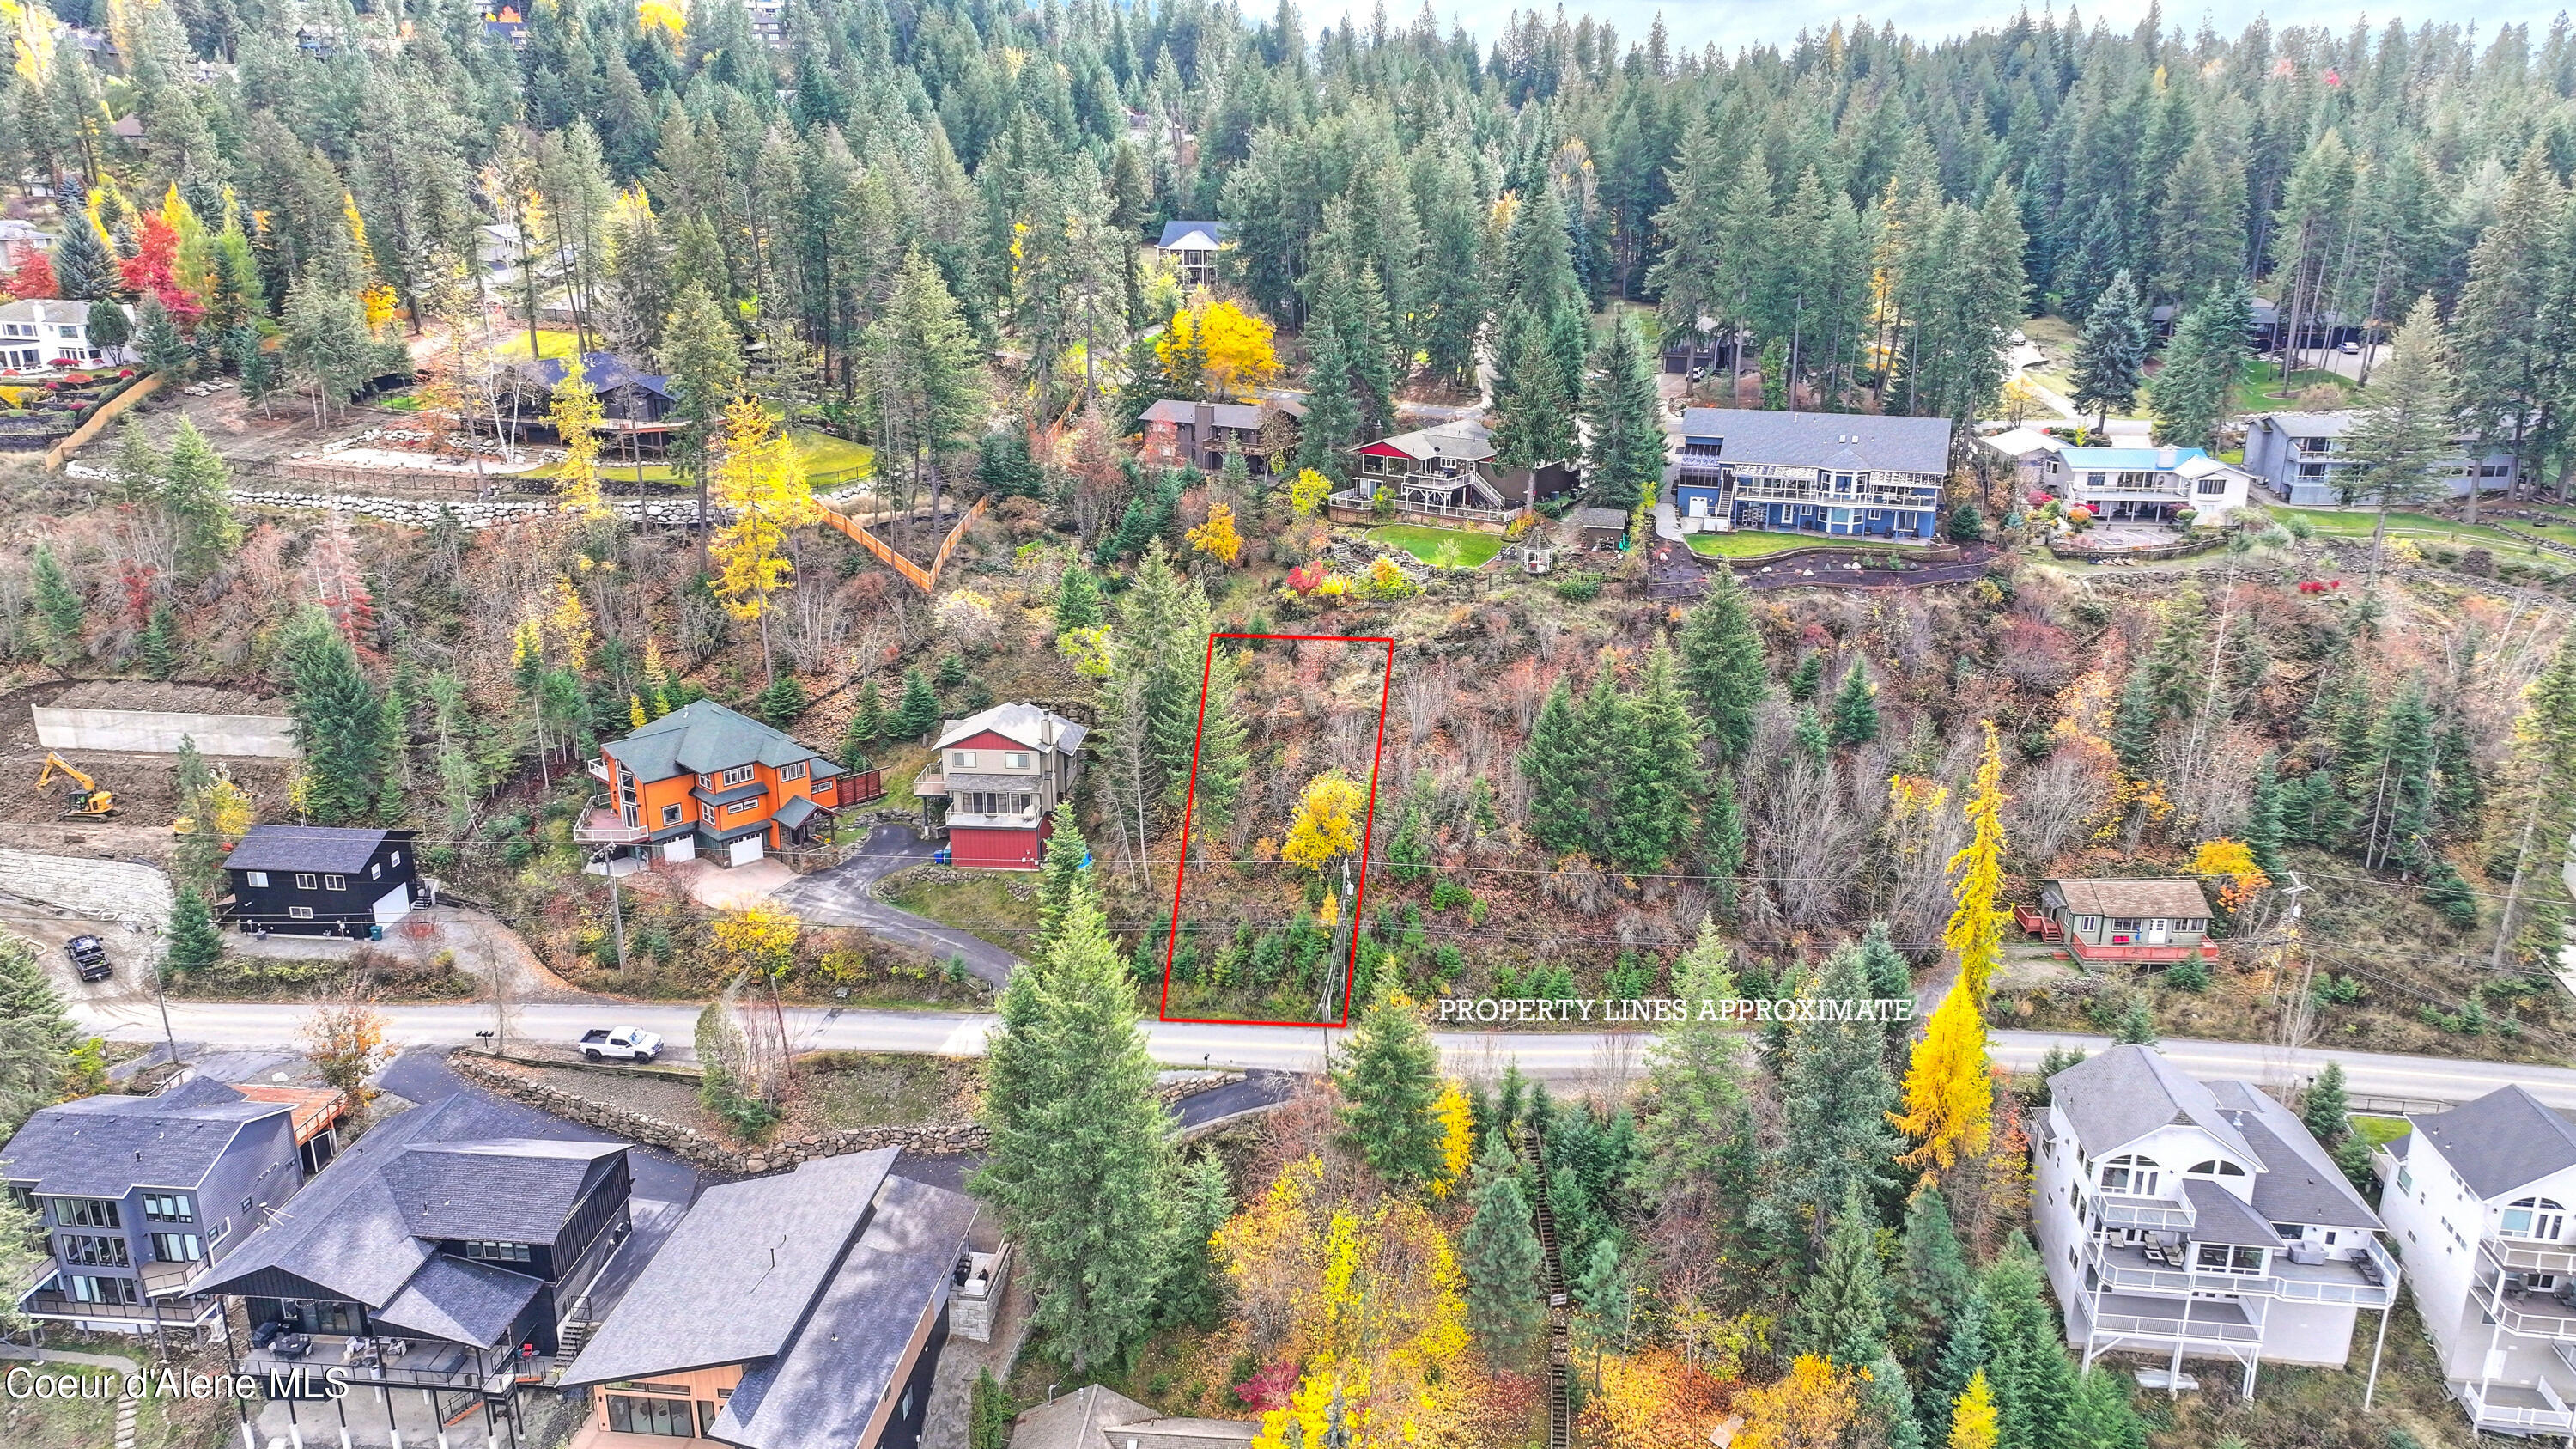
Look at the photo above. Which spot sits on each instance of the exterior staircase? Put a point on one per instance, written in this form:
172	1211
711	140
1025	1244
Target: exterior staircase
1560	1304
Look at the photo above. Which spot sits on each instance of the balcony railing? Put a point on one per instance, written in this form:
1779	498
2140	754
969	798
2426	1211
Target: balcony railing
2512	1406
2495	1287
2162	1214
601	824
932	782
425	1365
2522	1255
2339	1281
2157	1325
173	1312
1422	508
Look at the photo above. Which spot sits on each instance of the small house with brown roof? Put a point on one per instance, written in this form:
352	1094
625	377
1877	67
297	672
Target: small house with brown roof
2149	921
1101	1418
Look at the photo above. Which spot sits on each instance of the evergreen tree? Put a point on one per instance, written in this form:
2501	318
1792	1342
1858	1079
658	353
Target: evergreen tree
1723	665
2101	1416
338	720
1694	1092
1656	778
1624	449
702	355
918	714
2194	391
1194	1295
1500	1257
868	720
157	338
36	1035
1964	1354
1810	739
2403	431
1077	599
1389	1077
1560	775
1224	752
157	648
2111	356
2263	833
2326	1111
1855	708
1934	1280
60	611
1835	1094
83	269
1533	408
2033	1382
2136	1025
1807	677
1081	1168
1842	1307
1883	966
197	489
194	942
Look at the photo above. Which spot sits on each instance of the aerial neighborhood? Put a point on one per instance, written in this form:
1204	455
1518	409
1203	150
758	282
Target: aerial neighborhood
837	725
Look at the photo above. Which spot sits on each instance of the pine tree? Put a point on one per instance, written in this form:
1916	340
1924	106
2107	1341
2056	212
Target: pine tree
338	720
1195	1293
2101	1416
1855	708
2263	819
83	269
2194	391
2111	356
2034	1383
1224	752
1656	777
1810	739
1500	1257
1935	1281
2403	431
197	489
918	714
1807	677
157	338
1389	1078
1081	1168
157	648
1694	1089
36	1035
1560	802
60	611
1723	665
194	942
1077	599
1624	452
1842	1307
1835	1095
2327	1110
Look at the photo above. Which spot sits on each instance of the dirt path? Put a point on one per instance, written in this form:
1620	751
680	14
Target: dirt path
484	946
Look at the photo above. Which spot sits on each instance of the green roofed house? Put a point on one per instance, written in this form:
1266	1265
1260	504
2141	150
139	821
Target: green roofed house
704	779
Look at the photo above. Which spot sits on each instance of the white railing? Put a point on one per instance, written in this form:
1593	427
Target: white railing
2553	1416
587	829
2143	1212
2525	1256
2188	1281
1403	507
2556	1321
2159	1326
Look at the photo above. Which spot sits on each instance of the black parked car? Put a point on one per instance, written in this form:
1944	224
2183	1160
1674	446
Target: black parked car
89	957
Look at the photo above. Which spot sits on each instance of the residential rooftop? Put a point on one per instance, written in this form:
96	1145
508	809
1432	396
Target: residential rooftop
107	1145
1856	441
703	737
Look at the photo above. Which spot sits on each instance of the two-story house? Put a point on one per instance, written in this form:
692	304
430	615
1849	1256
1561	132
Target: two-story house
704	778
805	1308
2143	483
2303	460
1840	474
2187	1220
2479	1197
440	1254
1448	471
1191	247
321	880
634	405
47	332
1183	433
2147	922
1002	773
139	1195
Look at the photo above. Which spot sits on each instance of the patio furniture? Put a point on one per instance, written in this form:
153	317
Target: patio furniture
2155	1254
291	1345
2311	1255
2369	1270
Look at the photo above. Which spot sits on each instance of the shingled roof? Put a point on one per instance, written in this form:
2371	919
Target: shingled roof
2503	1140
104	1146
1824	440
2168	898
307	847
2126	1092
702	738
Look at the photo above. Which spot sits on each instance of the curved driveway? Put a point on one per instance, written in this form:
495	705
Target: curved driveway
840	896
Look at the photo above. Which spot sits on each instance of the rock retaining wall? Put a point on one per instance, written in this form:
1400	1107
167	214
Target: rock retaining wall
470	512
699	1148
105	887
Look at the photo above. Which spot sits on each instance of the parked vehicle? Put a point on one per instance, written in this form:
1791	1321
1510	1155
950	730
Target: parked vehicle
2352	349
89	957
623	1043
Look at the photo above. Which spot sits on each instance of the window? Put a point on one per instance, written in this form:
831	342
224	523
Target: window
2124	923
258	879
792	772
962	759
169	1207
62	331
497	1252
2215	1168
2133	1175
738	775
396	858
217	1233
1015	761
374	871
2290	1232
86	1212
667	1418
2538	1219
299	913
103	1290
2405	1179
739	806
84	1250
2213	485
2221	1258
335	882
2088	923
670	814
176	1248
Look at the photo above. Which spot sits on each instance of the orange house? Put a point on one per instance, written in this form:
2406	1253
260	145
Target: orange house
705	779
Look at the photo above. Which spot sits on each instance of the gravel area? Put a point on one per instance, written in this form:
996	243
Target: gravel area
669	1098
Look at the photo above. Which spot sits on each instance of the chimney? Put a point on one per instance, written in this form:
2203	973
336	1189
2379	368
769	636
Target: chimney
1203	436
1046	729
2166	455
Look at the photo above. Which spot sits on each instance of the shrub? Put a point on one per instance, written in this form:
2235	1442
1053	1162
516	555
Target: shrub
1578	590
1448	895
2192	975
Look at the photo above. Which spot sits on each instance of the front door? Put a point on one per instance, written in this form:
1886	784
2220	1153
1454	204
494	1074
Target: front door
2156	930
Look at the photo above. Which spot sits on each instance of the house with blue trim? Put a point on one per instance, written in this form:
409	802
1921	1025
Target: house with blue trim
1839	474
2146	483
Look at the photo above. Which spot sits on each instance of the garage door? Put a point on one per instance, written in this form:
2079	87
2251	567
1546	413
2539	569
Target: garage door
684	848
745	850
395	905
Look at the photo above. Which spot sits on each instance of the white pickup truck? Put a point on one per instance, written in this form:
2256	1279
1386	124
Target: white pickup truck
624	1043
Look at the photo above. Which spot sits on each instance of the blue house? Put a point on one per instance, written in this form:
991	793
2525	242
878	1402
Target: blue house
1192	247
139	1195
1840	474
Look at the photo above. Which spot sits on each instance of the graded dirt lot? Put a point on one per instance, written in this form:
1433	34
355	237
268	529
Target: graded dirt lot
145	785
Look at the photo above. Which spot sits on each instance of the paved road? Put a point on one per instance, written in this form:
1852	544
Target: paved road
233	1025
839	897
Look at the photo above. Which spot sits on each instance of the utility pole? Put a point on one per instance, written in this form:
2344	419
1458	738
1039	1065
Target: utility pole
616	907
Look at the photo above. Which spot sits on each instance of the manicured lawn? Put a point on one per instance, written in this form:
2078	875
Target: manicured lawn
2262	390
2376	1130
1424	542
822	453
2423	528
550	343
1754	543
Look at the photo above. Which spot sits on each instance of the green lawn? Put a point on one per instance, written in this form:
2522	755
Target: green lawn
1424	542
550	343
2377	1130
821	453
2423	528
980	905
1755	543
2262	390
877	1089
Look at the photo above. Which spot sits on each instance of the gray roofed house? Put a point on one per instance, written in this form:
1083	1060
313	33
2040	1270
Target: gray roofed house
1095	1417
2117	1096
1838	474
705	778
2504	1140
305	847
140	1194
1859	440
2301	1183
320	880
1192	247
803	1308
1002	772
2152	922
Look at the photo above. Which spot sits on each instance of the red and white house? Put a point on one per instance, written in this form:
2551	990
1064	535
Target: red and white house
1002	773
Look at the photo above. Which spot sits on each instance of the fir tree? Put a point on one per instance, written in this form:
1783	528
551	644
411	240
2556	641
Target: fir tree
83	269
59	608
36	1035
157	648
2101	1416
918	714
2326	1111
2136	1024
1194	1295
1855	708
1656	777
1560	804
1077	599
1934	1280
2033	1382
1807	677
1389	1077
867	721
194	942
1842	1307
1534	410
2111	356
338	720
1624	446
1964	1354
2263	819
2403	432
1224	752
1835	1096
1499	1256
1810	739
2194	391
1694	1089
197	489
1723	665
157	338
1081	1169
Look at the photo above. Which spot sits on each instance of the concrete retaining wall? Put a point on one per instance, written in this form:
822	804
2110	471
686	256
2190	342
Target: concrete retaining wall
470	512
158	731
114	890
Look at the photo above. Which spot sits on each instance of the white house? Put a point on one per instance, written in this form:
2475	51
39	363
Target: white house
1192	247
2131	483
2192	1220
43	332
2478	1198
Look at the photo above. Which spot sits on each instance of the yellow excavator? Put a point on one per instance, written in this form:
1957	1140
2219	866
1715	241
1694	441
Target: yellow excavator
85	801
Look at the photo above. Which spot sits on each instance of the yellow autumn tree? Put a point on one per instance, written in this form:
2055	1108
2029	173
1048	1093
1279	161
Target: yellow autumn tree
1457	1137
1972	1416
1307	492
1238	346
1810	1409
657	680
1216	538
661	15
1949	1091
377	298
762	938
1653	1399
761	487
634	711
570	624
2231	862
1976	929
1327	822
575	413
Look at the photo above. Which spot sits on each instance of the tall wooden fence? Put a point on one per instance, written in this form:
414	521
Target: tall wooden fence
926	580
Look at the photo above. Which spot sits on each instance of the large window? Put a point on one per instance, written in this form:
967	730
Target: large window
2215	1167
177	1248
84	1250
87	1289
792	772
2133	1176
86	1212
669	1418
497	1252
739	774
2537	1219
2221	1258
169	1207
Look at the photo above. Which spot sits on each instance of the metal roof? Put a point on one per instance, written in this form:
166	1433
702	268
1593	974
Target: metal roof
307	847
459	1301
2149	459
702	738
2504	1140
1176	235
1824	440
104	1146
1020	724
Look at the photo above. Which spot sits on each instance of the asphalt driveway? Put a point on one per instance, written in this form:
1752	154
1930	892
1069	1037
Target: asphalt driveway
839	896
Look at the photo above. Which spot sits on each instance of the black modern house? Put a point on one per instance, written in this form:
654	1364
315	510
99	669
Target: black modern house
139	1195
321	881
435	1256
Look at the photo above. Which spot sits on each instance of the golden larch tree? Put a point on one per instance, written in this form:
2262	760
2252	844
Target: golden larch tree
1976	929
575	413
761	487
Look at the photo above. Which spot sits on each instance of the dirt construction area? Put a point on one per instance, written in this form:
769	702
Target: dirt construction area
145	785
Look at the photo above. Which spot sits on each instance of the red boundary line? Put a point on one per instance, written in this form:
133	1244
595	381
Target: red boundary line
1368	826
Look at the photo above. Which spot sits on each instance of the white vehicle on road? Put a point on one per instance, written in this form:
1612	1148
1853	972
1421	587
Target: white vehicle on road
623	1043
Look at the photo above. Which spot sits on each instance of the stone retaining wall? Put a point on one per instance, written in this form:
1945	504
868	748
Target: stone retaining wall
699	1148
104	887
470	512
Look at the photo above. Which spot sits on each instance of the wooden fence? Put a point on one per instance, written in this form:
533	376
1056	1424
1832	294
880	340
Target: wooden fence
926	580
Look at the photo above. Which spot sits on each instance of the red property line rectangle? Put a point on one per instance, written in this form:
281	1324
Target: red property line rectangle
1368	822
